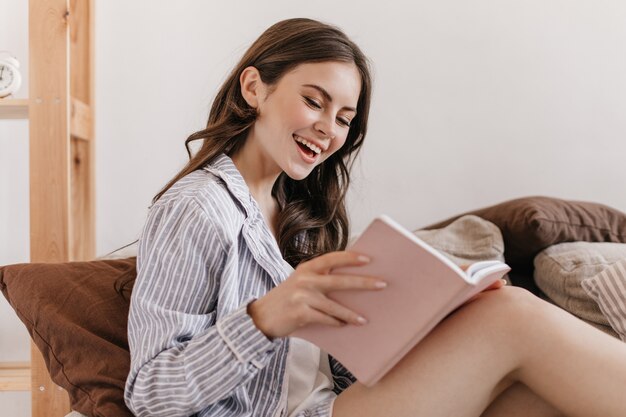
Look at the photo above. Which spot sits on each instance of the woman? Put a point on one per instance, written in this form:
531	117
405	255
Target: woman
217	296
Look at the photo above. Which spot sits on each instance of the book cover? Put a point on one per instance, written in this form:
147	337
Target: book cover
423	288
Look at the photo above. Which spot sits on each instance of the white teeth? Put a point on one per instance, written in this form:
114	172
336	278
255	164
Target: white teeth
308	144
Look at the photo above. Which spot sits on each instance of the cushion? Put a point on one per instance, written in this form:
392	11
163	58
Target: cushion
561	269
608	289
466	240
76	313
531	224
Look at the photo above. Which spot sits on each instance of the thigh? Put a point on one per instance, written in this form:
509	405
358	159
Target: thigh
462	366
520	401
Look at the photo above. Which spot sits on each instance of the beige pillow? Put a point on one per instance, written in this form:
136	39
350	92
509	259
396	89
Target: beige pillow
466	240
560	270
608	289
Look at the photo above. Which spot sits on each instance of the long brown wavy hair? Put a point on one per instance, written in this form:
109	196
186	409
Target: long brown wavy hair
312	216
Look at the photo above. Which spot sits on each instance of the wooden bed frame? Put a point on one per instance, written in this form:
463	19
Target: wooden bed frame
60	112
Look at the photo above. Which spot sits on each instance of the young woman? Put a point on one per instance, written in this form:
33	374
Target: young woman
217	296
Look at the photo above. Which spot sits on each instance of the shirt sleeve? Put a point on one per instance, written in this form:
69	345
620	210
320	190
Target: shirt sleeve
183	357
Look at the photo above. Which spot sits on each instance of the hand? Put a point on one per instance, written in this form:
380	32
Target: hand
496	285
301	299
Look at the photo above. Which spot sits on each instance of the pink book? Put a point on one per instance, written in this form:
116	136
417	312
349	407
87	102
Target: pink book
423	288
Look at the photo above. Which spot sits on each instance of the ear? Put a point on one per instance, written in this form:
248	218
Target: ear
252	86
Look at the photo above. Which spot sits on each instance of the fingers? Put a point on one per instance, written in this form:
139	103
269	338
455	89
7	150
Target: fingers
324	281
314	280
337	311
335	282
324	263
318	317
313	295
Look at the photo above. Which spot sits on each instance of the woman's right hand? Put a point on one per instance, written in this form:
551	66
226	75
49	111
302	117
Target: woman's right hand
301	299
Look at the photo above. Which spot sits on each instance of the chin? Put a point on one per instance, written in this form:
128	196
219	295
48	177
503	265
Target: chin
297	176
298	173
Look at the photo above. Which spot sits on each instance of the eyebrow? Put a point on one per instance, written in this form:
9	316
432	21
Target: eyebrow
327	96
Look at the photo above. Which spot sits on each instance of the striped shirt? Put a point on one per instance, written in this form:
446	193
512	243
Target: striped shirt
204	254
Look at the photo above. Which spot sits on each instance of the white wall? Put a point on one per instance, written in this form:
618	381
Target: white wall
474	103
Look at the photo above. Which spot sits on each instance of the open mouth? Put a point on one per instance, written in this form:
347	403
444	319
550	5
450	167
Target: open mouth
310	150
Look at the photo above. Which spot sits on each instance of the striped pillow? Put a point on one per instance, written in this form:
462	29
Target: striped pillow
608	289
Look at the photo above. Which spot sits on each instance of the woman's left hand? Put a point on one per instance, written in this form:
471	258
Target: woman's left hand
496	285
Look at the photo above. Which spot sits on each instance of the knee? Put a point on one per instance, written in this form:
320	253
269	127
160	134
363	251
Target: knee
510	308
509	296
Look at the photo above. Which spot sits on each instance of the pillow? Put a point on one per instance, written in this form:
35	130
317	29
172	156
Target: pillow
561	269
76	313
531	224
466	240
608	289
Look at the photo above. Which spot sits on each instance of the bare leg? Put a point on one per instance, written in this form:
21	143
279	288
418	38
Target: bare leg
520	401
502	337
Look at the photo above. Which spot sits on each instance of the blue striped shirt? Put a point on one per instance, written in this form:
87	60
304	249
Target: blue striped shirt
204	254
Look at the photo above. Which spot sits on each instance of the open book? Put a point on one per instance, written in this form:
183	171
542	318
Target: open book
423	288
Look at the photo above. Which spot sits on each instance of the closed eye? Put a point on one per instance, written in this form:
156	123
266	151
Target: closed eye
344	122
312	103
317	106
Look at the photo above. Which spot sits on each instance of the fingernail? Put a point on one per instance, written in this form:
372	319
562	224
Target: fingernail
380	284
361	320
364	258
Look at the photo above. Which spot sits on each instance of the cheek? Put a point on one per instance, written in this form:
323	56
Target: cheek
337	144
288	115
299	114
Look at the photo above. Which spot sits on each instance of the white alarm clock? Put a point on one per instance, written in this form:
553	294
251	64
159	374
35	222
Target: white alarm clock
10	77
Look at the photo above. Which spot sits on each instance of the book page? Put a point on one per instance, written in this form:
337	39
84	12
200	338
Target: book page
477	271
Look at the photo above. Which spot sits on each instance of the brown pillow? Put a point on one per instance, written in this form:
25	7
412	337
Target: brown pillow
77	313
531	224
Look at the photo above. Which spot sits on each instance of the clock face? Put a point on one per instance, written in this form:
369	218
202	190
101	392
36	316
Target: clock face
7	80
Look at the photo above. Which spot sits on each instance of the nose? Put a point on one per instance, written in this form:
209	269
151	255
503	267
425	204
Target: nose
325	129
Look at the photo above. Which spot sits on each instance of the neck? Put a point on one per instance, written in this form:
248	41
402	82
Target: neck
258	170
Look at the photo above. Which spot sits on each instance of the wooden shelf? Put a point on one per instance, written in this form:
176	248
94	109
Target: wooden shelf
13	108
59	112
15	376
80	119
80	115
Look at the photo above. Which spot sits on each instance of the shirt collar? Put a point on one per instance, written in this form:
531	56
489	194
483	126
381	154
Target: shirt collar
224	167
265	251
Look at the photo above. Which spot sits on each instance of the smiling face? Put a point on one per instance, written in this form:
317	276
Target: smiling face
304	118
